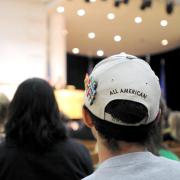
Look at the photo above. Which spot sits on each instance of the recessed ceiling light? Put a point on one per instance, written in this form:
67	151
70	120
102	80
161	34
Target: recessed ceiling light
60	9
81	12
91	35
163	22
117	38
75	50
138	19
164	42
92	0
100	53
111	16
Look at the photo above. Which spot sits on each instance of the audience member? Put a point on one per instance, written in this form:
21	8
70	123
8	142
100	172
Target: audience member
4	103
122	106
174	125
156	145
36	145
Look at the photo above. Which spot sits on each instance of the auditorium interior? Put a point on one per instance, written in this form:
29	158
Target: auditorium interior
62	40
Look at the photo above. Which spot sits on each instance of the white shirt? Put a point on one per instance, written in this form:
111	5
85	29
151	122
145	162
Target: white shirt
137	166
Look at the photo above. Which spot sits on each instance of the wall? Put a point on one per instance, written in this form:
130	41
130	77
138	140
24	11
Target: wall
29	44
22	40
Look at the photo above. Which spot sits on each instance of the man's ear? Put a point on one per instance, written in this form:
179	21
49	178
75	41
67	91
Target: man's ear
87	119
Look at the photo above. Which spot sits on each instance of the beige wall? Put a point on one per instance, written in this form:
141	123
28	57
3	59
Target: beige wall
57	48
27	42
22	40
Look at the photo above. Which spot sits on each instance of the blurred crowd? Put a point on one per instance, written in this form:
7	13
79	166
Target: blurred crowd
166	138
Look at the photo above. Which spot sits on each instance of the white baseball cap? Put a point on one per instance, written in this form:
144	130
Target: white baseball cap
122	77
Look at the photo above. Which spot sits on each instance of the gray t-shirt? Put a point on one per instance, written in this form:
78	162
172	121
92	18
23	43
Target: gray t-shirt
137	166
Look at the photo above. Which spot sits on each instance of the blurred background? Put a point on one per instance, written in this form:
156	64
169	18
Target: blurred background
62	40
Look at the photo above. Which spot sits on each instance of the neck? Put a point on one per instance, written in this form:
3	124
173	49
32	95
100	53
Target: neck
105	153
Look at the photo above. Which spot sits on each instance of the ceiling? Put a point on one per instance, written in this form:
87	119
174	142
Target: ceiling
138	39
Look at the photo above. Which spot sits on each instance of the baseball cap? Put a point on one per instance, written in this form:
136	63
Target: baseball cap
122	77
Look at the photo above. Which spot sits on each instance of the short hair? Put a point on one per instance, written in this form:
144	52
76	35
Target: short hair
33	118
127	111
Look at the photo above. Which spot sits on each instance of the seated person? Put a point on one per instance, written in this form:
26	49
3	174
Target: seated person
121	106
36	146
156	145
174	125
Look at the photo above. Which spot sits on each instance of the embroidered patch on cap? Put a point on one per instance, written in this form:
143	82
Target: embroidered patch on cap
90	86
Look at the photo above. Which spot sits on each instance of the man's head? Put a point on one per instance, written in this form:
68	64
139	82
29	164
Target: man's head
122	99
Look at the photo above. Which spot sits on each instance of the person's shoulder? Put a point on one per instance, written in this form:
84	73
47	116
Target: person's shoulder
169	165
72	146
2	147
90	177
7	151
75	143
78	153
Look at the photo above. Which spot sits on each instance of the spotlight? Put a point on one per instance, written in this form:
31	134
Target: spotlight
145	4
81	12
169	7
117	3
111	16
75	51
100	53
164	42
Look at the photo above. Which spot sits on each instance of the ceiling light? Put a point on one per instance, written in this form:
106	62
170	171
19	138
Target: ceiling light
138	20
91	35
164	23
117	38
60	9
100	53
164	42
110	16
81	12
75	50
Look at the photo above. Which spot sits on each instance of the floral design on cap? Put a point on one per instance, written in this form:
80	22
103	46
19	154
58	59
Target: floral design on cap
90	86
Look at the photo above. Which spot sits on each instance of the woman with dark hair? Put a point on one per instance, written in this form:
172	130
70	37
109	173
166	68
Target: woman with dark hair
36	145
